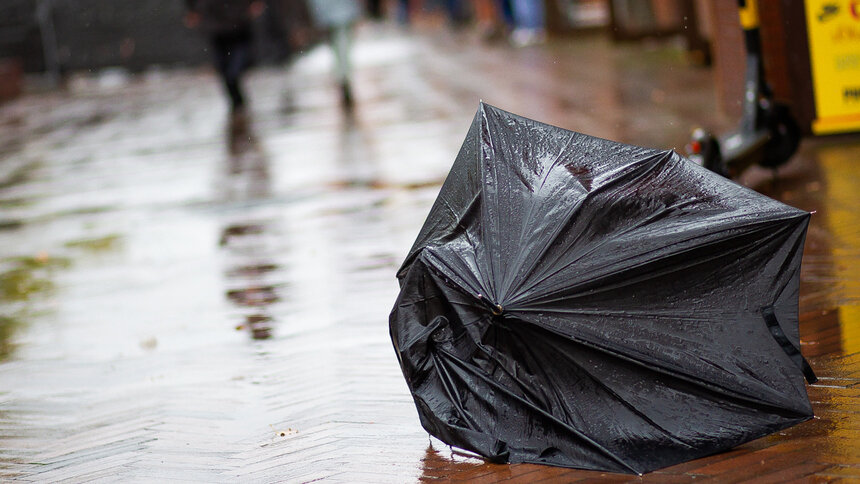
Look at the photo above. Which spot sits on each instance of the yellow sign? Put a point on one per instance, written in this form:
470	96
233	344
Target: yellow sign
834	53
749	14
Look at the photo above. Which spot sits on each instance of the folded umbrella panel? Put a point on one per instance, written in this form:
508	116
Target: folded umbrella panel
461	402
516	392
648	210
535	177
697	312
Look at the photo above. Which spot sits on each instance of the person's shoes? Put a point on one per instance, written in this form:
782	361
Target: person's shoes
493	33
524	37
238	119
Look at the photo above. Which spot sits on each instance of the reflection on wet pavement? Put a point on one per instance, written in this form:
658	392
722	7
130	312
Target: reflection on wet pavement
247	178
141	228
24	283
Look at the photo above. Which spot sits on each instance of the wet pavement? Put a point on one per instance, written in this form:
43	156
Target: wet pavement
195	301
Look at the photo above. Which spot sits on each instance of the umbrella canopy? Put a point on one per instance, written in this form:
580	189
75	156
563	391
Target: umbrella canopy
579	302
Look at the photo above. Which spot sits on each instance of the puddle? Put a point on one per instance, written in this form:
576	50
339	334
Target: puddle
96	244
23	280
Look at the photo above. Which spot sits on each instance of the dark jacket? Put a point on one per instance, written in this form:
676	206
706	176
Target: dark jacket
222	16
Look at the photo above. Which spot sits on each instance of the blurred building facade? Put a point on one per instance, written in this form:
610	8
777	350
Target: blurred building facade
70	35
67	35
89	34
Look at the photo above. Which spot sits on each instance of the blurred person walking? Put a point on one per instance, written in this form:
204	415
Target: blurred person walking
522	22
338	18
528	17
494	19
227	24
459	13
374	9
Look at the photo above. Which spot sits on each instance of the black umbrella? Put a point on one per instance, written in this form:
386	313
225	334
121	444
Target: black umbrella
584	303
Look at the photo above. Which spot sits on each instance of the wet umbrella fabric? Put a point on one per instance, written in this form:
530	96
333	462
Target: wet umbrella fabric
579	302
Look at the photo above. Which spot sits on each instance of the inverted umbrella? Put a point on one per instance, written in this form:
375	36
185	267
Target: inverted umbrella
579	302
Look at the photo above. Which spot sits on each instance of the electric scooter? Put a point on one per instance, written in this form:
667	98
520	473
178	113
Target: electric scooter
768	134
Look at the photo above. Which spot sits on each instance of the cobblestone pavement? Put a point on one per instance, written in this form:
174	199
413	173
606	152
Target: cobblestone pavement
193	302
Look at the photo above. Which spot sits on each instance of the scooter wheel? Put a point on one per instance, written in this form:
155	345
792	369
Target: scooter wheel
784	137
705	150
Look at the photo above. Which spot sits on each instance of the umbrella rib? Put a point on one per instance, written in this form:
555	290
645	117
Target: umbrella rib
620	314
796	248
437	272
525	225
626	403
657	366
606	452
464	230
758	226
432	264
608	389
500	364
448	385
485	207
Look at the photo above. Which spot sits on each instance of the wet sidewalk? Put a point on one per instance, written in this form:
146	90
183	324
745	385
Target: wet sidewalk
193	302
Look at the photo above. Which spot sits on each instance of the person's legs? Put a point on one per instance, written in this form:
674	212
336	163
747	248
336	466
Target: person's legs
528	14
507	11
403	11
528	22
374	9
219	55
458	13
232	58
340	43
